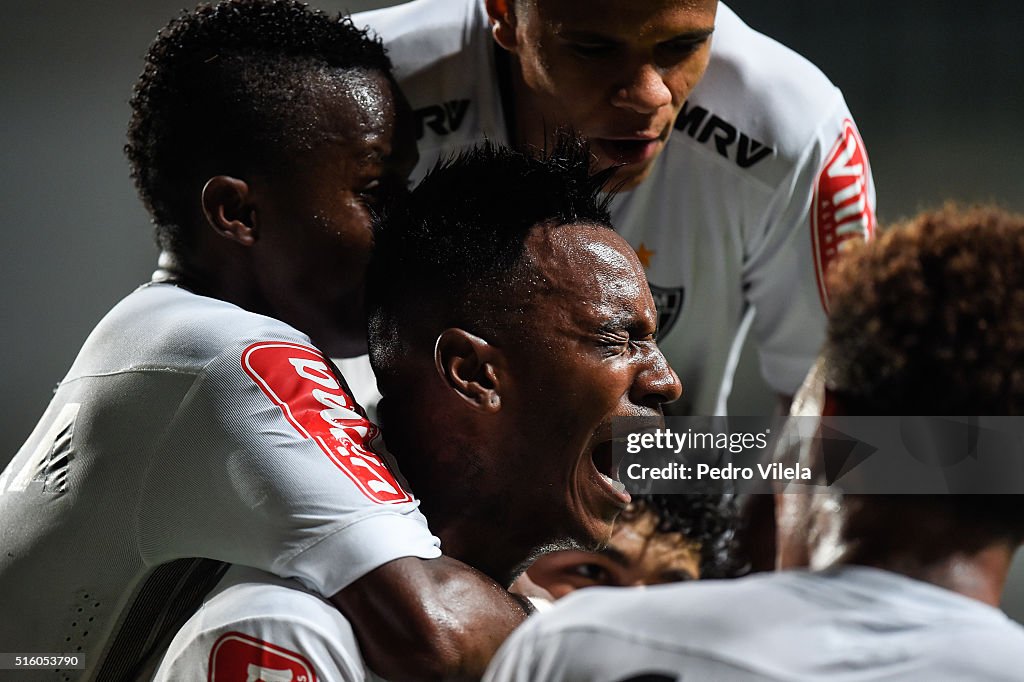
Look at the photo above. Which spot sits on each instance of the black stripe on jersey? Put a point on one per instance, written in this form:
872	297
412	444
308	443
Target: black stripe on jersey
168	597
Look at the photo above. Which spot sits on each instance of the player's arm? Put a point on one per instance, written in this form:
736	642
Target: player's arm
826	203
428	618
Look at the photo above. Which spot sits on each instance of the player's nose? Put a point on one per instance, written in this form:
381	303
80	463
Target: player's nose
656	383
644	91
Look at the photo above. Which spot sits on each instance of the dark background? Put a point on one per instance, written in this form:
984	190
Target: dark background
936	87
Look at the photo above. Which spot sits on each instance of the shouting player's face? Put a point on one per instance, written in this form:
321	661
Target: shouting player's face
587	355
618	71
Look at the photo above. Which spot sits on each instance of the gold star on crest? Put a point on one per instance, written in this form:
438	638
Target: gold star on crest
644	254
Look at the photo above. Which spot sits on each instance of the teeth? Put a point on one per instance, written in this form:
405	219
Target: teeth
617	486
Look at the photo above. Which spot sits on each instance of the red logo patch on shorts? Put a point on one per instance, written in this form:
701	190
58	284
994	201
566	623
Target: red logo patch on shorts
300	381
240	658
841	214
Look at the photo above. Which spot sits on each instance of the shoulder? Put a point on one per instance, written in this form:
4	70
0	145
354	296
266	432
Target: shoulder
162	326
423	34
443	56
767	88
760	104
656	613
606	633
254	618
246	594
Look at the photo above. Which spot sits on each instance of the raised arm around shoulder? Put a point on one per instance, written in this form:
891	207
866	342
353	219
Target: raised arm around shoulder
420	619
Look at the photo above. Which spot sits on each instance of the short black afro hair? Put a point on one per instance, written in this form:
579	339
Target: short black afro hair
227	87
707	520
457	244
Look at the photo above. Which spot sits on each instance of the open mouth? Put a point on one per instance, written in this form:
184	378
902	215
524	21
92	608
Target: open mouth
629	151
604	462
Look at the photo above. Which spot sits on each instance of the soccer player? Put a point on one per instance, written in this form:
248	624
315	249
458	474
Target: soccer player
743	173
926	320
509	325
658	539
201	423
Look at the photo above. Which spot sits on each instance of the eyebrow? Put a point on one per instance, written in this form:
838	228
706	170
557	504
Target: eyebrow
628	321
615	555
619	322
583	36
692	36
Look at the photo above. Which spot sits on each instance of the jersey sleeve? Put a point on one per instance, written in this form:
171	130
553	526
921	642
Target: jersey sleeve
264	631
516	660
822	207
268	463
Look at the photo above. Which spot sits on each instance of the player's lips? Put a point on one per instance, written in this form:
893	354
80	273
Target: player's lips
607	474
629	149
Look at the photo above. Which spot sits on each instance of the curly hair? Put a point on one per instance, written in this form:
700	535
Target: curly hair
928	319
229	87
709	521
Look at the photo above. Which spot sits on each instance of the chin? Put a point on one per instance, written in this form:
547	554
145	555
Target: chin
628	178
595	532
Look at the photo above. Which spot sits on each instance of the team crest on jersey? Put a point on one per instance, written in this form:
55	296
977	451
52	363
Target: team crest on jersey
842	214
236	657
299	380
669	302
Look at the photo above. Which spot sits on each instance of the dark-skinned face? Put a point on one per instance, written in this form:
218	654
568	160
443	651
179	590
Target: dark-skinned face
316	210
585	356
618	71
637	554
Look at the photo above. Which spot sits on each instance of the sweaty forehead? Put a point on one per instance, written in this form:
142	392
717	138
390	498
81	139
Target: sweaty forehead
349	106
588	270
587	250
365	104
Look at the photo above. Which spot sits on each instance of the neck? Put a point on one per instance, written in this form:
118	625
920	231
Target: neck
337	330
484	546
927	543
980	575
468	515
473	523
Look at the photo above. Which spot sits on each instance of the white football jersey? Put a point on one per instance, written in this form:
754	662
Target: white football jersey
761	184
256	627
189	432
854	624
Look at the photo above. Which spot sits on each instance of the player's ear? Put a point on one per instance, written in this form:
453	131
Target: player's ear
503	22
227	205
471	367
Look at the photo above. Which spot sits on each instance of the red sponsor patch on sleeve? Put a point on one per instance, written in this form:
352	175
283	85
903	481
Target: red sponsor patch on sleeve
300	381
235	657
841	214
